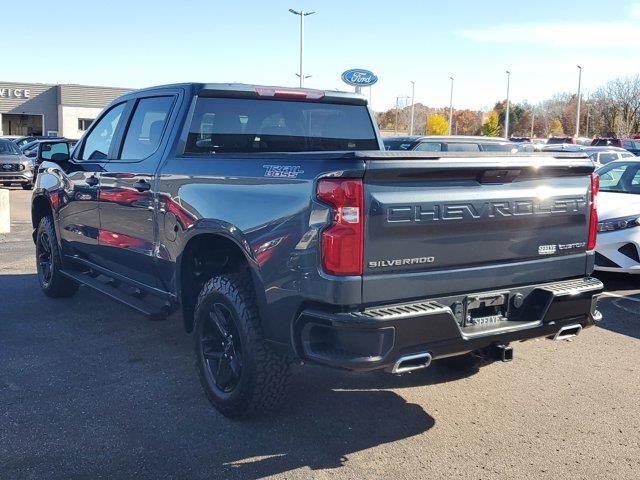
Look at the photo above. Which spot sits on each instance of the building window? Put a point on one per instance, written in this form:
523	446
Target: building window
84	123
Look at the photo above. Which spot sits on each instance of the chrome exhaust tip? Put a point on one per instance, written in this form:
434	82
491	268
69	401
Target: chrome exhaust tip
568	331
409	363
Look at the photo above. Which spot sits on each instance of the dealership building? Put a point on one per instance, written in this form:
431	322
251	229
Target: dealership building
51	110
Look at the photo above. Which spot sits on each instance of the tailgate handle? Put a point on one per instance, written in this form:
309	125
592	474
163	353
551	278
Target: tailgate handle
498	176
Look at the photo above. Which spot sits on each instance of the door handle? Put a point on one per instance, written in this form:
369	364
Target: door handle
142	185
92	181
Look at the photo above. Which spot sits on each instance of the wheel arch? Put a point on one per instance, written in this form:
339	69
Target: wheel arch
210	252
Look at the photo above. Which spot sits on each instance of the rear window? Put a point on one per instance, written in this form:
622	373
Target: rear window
233	125
556	140
606	142
391	144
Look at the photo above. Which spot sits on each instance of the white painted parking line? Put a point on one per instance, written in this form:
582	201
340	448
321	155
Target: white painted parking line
615	295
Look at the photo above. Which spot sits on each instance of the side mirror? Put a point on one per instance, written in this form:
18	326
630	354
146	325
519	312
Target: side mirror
54	151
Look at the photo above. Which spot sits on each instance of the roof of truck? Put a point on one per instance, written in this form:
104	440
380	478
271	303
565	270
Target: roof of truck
215	89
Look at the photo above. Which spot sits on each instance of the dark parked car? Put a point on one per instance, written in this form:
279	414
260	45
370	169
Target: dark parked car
273	220
630	144
559	140
455	143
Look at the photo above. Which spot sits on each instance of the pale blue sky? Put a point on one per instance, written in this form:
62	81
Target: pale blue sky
139	43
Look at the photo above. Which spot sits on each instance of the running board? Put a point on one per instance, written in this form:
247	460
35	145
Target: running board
111	290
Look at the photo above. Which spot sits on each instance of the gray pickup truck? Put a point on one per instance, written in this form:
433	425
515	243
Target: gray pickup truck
273	220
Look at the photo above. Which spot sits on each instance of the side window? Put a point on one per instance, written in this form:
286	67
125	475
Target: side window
608	157
429	147
98	142
612	177
146	127
463	147
55	151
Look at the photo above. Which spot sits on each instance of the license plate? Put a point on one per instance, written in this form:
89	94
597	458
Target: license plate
486	309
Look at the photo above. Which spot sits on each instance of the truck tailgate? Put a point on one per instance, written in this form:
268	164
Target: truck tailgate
456	223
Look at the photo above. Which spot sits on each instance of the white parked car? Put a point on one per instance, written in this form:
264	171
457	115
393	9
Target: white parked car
603	155
618	242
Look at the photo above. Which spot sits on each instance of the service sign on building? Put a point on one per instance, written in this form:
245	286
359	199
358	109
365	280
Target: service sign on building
15	93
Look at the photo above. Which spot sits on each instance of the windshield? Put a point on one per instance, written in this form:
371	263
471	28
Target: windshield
225	125
8	148
620	177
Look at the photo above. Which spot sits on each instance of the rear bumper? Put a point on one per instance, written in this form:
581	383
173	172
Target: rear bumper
375	338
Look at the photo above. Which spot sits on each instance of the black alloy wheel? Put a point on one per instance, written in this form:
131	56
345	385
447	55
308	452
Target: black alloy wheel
221	349
45	259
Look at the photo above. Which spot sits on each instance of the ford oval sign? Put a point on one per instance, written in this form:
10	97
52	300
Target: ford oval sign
359	77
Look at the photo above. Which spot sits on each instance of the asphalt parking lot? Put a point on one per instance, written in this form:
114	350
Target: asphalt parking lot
89	389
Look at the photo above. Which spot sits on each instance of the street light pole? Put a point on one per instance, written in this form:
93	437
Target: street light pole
413	97
405	98
451	105
506	119
395	131
578	109
533	117
302	14
588	115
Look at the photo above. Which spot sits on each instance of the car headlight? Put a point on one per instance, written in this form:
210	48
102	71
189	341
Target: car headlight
618	223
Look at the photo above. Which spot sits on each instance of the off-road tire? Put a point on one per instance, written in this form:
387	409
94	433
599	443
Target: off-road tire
54	285
265	373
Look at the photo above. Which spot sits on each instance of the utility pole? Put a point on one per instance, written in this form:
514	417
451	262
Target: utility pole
578	108
451	105
506	118
302	14
413	97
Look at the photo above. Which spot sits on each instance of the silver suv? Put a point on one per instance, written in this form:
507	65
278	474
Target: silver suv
14	166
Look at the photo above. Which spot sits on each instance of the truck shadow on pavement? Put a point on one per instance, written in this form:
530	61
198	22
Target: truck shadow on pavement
85	375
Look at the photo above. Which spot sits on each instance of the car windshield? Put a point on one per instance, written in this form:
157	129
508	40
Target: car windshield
238	125
620	177
8	148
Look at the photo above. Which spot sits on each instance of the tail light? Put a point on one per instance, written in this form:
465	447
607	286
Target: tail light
593	218
342	242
